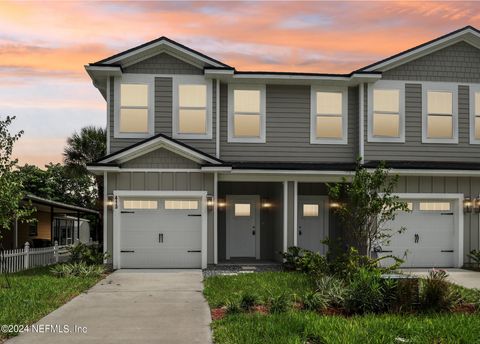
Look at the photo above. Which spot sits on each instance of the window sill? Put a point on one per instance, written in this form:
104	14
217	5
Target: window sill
192	136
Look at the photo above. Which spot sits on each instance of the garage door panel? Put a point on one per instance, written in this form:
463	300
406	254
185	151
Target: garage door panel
181	242
428	238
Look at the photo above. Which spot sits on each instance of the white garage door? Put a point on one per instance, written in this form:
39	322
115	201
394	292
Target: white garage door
429	238
160	233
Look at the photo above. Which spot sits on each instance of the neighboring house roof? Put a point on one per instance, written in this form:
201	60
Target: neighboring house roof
55	204
467	34
152	143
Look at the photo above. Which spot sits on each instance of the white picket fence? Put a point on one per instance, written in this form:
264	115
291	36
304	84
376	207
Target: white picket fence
26	258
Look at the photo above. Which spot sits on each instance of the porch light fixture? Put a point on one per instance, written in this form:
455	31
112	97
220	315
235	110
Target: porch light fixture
210	202
110	201
467	205
476	204
266	204
334	205
221	203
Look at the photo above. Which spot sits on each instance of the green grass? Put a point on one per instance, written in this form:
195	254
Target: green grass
307	327
219	289
35	293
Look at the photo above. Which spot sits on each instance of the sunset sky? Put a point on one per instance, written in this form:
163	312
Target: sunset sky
44	46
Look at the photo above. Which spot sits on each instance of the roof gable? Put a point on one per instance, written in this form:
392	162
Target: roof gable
467	34
156	142
158	46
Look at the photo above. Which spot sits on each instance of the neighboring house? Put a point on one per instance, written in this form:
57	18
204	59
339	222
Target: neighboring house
55	221
207	164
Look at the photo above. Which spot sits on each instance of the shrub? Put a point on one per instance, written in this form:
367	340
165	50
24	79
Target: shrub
332	290
278	303
87	254
77	269
314	301
437	293
365	294
232	306
313	263
247	301
292	257
475	256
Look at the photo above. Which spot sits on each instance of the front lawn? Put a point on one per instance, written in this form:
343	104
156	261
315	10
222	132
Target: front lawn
313	327
37	292
309	327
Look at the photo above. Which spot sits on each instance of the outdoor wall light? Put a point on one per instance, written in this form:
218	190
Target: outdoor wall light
266	203
476	204
334	205
110	201
221	203
467	205
210	202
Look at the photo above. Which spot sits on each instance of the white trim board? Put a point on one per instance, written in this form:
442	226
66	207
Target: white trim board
295	213
202	195
472	90
285	216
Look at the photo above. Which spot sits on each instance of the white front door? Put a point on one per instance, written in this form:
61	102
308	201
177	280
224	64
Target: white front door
429	238
243	226
312	222
160	232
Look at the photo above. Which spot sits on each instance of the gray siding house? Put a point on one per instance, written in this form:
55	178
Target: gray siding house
207	164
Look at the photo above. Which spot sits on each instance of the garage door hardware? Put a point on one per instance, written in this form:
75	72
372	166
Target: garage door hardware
446	213
191	251
194	214
127	251
127	212
416	238
160	237
384	251
446	251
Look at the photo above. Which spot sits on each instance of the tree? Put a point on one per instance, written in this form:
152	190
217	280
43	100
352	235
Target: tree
11	188
58	184
85	147
365	205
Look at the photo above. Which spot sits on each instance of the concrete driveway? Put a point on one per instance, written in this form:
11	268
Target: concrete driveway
465	278
133	306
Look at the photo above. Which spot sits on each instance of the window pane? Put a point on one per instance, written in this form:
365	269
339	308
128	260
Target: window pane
181	205
329	103
140	204
440	127
133	95
310	210
329	127
439	102
192	95
242	209
386	125
134	120
477	104
192	121
435	206
246	126
246	101
477	128
386	100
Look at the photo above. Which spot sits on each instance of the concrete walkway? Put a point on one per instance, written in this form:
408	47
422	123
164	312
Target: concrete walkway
134	306
465	278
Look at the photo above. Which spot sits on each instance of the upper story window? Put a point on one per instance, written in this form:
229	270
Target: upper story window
246	113
192	110
475	114
386	116
440	112
133	107
328	123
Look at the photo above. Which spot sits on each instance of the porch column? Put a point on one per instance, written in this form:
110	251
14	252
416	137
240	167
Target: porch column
285	216
295	213
51	225
215	218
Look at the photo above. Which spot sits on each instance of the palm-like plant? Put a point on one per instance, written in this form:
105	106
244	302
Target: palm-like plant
84	147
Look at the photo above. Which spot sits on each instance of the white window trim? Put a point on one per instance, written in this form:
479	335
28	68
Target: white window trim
191	80
441	87
313	115
473	89
134	79
387	85
263	113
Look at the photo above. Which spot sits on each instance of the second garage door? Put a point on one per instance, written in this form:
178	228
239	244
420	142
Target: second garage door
429	238
160	233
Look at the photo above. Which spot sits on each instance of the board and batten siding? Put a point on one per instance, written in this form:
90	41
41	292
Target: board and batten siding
162	64
288	129
469	186
413	149
160	181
